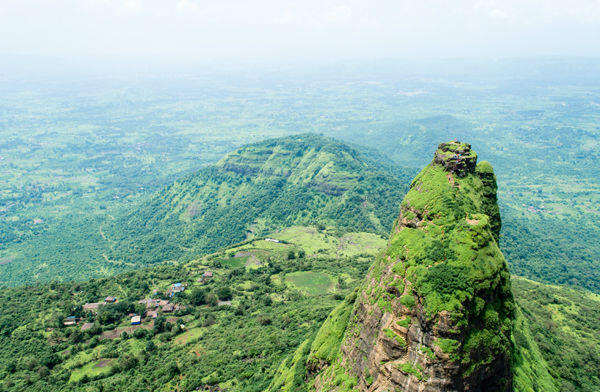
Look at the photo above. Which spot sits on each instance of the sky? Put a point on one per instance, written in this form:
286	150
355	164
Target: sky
228	30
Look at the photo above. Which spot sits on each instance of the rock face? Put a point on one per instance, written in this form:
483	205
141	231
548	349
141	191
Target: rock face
435	312
456	157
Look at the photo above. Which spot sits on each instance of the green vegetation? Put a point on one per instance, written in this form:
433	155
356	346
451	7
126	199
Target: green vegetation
410	369
564	324
299	180
44	355
74	154
306	179
310	282
445	241
78	165
237	346
449	346
530	369
326	346
444	251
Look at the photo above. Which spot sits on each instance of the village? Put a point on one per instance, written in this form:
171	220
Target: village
158	304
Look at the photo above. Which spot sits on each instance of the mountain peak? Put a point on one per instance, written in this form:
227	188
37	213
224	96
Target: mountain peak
435	312
456	157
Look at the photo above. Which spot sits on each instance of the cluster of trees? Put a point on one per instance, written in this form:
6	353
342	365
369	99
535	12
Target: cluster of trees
242	343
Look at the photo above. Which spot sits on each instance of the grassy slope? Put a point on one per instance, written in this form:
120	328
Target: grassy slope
277	183
565	325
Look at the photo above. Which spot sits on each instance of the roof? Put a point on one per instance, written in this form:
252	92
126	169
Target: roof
136	319
208	273
92	305
110	298
152	303
168	308
176	284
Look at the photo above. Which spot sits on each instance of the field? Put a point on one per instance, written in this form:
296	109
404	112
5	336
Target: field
312	283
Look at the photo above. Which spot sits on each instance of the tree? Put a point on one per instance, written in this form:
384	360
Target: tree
159	324
197	296
212	299
150	346
224	293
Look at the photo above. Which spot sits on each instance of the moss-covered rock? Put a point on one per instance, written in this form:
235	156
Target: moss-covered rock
436	310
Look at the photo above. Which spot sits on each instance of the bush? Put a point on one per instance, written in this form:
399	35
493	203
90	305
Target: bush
264	320
139	333
224	293
150	346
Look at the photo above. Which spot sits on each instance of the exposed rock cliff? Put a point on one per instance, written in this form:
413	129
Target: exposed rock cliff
435	312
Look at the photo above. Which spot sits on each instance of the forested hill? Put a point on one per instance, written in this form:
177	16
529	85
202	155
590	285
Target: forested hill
304	179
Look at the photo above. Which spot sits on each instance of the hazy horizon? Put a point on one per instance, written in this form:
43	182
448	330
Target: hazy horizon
187	32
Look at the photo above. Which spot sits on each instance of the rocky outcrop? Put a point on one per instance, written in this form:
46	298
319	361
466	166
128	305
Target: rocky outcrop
456	157
435	312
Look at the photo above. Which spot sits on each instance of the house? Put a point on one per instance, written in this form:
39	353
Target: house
92	306
272	240
71	320
163	302
151	314
175	288
207	275
110	299
168	308
152	303
136	320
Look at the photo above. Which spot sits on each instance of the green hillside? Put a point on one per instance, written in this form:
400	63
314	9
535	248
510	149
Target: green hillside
277	303
305	179
233	329
565	324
